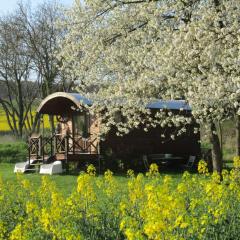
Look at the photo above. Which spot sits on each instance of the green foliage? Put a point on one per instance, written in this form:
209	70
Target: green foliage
13	152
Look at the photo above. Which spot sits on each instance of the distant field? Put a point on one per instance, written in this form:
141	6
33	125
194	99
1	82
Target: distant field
228	137
3	121
4	127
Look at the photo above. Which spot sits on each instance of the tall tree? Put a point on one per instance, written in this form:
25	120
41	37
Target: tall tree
137	51
40	32
42	36
15	70
205	57
115	48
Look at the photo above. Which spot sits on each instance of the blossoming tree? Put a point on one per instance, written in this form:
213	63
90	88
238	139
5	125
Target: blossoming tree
204	54
127	53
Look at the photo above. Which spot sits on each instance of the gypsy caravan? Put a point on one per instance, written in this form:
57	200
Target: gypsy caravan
75	138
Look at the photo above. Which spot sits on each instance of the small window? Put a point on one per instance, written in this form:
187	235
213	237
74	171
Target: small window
81	125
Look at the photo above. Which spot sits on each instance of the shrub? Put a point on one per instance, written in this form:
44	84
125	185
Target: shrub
13	152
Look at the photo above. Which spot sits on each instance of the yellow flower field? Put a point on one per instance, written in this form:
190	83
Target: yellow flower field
198	206
3	121
4	124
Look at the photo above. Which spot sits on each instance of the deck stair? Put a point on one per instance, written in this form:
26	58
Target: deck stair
23	167
31	165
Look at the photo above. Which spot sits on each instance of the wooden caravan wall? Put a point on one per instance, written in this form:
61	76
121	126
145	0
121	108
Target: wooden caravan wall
94	125
138	142
71	128
67	127
94	131
92	128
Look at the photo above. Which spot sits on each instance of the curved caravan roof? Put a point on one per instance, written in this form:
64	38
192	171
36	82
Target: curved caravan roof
62	103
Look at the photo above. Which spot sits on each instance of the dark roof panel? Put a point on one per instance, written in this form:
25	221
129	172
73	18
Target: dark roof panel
81	99
170	104
158	104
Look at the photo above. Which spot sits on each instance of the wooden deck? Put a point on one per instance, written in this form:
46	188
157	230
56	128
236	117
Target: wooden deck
63	148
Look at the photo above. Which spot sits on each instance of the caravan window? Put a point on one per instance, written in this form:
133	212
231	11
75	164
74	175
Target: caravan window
81	125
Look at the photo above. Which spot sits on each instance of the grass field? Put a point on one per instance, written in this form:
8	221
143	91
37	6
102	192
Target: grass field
65	183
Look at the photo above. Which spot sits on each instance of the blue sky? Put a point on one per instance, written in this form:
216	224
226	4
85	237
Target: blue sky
9	5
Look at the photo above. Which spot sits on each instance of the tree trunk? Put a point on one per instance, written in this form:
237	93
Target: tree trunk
36	123
220	136
217	160
238	135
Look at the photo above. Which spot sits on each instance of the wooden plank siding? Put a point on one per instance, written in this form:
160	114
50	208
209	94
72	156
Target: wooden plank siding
138	142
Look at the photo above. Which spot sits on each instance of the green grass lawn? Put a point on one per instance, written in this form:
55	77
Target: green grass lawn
65	182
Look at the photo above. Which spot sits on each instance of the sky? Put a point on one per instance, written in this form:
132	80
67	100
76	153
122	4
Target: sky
9	5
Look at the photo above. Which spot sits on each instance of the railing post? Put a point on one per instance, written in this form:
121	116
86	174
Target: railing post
66	150
98	147
73	144
54	144
37	143
51	145
41	144
29	150
90	145
85	145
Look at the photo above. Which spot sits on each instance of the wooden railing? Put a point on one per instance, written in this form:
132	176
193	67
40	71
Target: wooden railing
34	147
60	144
80	144
41	147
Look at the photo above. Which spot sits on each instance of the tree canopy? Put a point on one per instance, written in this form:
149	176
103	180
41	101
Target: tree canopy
138	51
